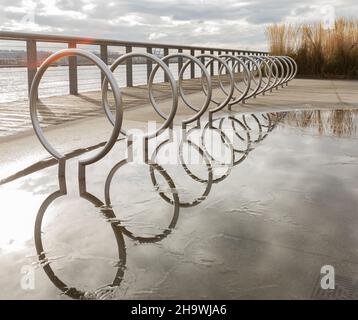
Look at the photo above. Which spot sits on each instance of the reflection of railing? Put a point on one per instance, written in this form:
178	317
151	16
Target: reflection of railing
29	44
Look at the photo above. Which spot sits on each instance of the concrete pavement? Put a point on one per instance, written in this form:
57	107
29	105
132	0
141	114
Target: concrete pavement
77	122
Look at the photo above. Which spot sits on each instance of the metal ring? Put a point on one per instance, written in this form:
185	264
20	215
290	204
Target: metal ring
223	104
117	121
290	71
295	67
238	63
159	62
286	69
281	73
264	83
258	83
274	75
190	59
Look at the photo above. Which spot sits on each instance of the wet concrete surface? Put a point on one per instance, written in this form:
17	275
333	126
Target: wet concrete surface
285	209
19	147
301	93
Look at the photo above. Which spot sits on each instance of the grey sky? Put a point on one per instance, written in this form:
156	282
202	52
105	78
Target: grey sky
226	23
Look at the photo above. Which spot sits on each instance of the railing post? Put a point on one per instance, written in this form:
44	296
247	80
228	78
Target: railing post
219	53
149	63
166	52
104	57
31	52
202	59
192	65
180	61
212	65
72	68
129	68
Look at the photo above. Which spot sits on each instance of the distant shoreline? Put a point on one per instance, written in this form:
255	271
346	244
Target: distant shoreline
4	66
12	66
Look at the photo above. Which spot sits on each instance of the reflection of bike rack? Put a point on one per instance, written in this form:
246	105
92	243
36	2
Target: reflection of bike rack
265	124
257	75
174	201
45	261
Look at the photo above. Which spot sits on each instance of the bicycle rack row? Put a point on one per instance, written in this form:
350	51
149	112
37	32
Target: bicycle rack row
246	77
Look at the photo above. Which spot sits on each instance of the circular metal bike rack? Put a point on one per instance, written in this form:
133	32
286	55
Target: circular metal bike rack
172	82
33	100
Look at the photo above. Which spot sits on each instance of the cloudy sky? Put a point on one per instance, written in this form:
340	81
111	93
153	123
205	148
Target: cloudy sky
224	23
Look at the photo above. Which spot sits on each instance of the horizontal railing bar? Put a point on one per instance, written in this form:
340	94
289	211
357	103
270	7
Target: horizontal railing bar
23	36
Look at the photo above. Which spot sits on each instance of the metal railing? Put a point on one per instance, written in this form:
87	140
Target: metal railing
33	60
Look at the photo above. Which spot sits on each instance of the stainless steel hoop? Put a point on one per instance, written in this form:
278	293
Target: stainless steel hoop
205	74
159	63
220	105
286	69
117	120
265	68
274	71
290	71
237	63
281	65
258	82
295	67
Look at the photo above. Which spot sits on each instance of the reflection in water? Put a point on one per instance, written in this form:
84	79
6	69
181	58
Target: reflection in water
249	131
175	201
338	123
103	292
180	151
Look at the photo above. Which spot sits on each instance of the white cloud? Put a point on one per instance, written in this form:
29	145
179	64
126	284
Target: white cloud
226	23
207	30
171	22
156	35
129	20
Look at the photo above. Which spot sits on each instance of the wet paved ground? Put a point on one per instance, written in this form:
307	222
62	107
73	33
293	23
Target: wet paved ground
301	93
15	118
287	208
